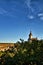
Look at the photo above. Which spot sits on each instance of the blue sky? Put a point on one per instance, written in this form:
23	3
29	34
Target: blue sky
18	17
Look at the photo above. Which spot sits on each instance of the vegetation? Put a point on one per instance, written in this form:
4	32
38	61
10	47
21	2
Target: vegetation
24	53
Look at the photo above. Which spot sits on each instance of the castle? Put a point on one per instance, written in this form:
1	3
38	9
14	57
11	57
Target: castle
6	46
30	39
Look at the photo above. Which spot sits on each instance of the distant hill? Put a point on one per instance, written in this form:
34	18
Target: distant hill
6	46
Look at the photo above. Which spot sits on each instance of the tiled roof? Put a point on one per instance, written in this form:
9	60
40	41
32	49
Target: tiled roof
34	39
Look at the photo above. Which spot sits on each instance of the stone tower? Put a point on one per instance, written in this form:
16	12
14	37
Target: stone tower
30	35
30	39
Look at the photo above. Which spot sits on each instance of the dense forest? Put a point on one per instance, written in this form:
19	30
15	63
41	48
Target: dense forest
24	53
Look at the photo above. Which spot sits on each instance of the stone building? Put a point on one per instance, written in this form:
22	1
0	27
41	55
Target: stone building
30	39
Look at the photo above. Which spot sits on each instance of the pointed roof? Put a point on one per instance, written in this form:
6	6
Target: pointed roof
30	33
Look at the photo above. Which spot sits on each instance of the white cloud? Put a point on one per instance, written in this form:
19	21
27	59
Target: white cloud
31	17
5	12
41	18
40	14
28	3
2	11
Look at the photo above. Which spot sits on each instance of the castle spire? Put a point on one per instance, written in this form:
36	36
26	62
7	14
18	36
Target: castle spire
30	35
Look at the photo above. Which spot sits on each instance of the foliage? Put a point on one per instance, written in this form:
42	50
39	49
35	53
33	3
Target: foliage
25	53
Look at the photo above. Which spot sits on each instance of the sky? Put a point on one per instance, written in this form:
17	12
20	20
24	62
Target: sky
18	17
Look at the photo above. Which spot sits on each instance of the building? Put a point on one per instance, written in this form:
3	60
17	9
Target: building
6	46
30	39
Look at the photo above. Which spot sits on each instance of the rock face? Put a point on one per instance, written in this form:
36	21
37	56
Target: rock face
6	46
